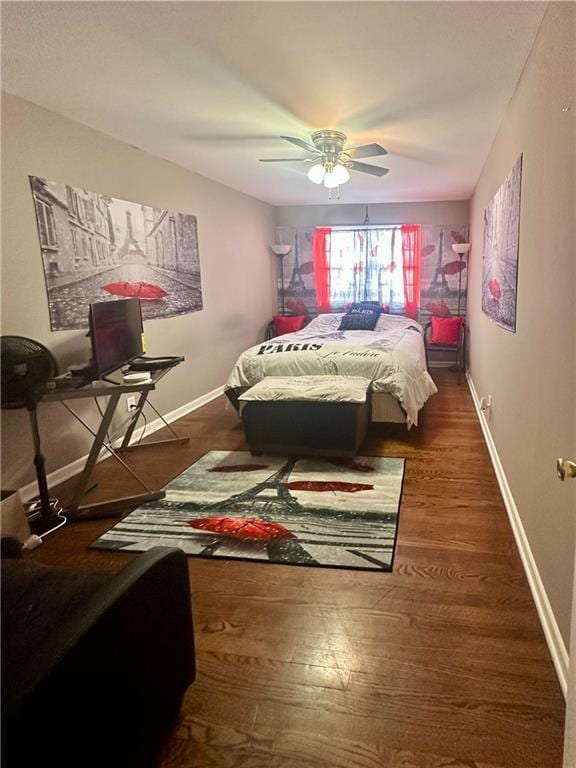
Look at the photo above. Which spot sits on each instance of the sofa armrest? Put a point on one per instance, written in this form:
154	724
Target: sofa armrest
122	660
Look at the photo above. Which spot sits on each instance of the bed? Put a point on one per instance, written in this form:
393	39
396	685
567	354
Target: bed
392	356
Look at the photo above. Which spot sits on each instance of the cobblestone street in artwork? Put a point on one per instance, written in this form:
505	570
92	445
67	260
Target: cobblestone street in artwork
69	303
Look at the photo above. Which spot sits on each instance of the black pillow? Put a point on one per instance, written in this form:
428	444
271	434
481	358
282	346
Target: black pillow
361	317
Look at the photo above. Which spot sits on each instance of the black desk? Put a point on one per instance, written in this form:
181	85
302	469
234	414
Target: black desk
114	391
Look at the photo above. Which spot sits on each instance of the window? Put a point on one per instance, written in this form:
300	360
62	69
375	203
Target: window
160	249
46	226
70	199
366	265
73	203
75	243
87	207
174	247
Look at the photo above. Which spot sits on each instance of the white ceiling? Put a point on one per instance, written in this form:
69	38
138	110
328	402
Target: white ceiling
212	85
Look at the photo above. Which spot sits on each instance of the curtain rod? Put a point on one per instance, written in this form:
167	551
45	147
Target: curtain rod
353	227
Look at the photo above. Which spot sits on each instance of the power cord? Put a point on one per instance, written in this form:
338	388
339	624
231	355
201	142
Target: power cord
34	540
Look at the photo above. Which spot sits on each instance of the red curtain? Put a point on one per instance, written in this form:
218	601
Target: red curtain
411	258
321	259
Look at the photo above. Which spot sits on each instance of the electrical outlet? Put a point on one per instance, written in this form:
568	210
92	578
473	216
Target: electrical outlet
131	402
485	403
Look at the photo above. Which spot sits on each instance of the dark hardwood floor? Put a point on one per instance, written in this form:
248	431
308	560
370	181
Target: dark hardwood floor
441	663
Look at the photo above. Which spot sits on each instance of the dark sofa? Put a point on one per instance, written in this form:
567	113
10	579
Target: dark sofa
94	665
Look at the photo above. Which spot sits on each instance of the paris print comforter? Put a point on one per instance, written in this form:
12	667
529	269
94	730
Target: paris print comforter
392	356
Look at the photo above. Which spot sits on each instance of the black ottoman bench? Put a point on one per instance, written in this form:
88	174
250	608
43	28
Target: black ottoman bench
306	415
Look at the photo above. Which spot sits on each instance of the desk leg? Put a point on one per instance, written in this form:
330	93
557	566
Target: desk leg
113	508
105	508
94	452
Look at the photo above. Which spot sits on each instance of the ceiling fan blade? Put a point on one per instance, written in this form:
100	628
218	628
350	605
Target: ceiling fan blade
285	159
373	170
366	150
300	143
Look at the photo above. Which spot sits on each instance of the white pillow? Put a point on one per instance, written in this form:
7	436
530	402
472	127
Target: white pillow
325	322
388	322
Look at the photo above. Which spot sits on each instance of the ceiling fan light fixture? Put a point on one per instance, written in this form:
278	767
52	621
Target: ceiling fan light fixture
330	181
332	161
317	173
341	174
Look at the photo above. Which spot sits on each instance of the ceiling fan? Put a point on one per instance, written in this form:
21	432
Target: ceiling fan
332	158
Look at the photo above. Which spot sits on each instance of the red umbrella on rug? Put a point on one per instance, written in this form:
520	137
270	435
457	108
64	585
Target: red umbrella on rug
242	528
321	486
138	290
238	468
358	466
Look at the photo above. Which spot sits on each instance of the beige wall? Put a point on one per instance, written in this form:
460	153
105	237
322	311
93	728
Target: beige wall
234	232
531	373
450	212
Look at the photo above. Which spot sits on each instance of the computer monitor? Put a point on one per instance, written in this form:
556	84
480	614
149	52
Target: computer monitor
115	333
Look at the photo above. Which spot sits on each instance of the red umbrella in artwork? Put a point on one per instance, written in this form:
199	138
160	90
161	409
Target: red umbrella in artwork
438	308
297	306
138	290
242	528
494	288
453	267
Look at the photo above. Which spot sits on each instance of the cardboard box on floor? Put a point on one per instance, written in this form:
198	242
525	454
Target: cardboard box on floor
13	520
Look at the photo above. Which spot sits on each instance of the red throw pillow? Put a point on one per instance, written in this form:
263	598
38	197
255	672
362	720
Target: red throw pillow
287	324
446	330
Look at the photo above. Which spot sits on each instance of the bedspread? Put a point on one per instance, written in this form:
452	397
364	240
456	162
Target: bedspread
392	356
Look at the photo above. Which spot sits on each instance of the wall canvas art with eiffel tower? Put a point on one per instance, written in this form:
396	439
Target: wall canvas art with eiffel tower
298	293
443	279
296	511
443	275
95	248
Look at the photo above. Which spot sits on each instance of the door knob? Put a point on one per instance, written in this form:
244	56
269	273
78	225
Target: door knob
565	469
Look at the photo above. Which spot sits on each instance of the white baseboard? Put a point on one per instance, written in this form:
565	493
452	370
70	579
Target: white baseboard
547	619
65	473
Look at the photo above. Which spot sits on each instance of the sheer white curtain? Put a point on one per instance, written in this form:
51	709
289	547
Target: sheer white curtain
366	265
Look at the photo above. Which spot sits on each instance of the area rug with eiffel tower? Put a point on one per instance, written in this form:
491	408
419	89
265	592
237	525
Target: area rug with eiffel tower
339	513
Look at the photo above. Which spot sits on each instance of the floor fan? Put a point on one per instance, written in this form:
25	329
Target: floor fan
26	367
